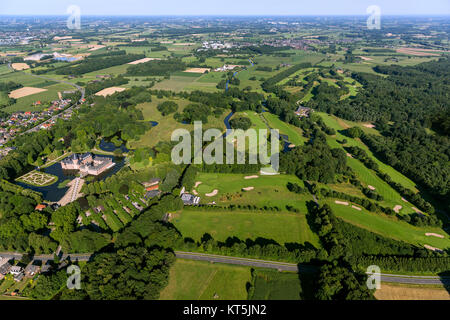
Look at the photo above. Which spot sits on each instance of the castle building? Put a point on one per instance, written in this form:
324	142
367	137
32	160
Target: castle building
87	164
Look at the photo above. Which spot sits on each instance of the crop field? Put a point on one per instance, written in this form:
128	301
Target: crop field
391	227
402	292
273	285
26	103
280	227
200	280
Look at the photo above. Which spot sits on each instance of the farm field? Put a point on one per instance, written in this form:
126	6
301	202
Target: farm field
201	280
397	292
390	227
274	285
281	227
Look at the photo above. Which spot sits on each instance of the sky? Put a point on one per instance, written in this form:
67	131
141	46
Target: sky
224	7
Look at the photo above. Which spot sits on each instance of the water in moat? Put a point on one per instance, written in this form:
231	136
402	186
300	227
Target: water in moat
53	193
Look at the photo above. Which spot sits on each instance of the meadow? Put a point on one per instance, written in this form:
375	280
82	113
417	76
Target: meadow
221	224
201	280
274	285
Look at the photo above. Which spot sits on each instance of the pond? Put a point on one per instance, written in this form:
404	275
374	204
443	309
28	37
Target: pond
108	146
53	193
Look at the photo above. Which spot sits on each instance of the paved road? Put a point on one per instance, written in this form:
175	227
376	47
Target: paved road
281	266
300	268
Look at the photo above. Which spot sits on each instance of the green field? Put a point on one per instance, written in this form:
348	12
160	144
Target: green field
369	177
274	285
391	227
199	280
295	134
167	124
268	190
281	227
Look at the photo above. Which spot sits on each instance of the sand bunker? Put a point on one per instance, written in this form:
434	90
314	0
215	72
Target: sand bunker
432	248
195	192
341	202
417	210
371	187
197	184
248	189
397	208
357	208
366	58
198	70
291	145
20	66
250	177
434	235
143	60
369	125
212	194
25	91
349	155
109	91
403	199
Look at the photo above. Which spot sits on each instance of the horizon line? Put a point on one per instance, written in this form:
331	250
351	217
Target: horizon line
230	15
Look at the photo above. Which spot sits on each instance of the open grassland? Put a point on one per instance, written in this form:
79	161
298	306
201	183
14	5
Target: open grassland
281	227
402	292
274	285
167	124
390	227
200	280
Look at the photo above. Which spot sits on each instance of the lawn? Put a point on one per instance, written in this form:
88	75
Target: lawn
281	227
295	134
269	190
390	227
200	280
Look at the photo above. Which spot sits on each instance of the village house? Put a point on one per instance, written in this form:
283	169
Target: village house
189	199
31	270
303	111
